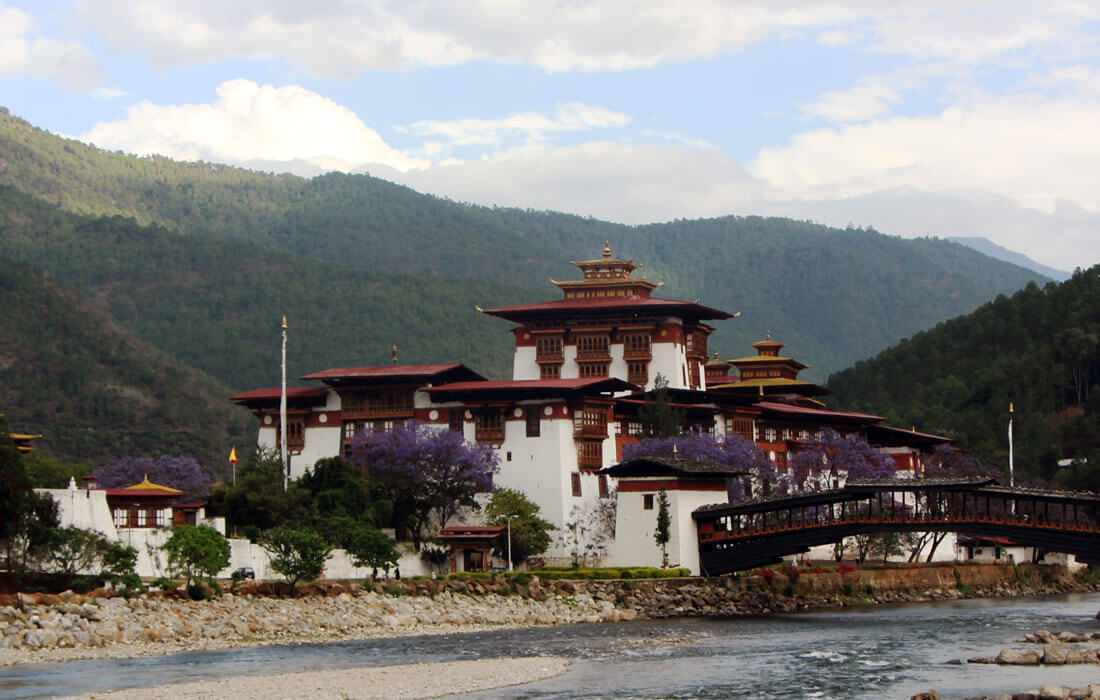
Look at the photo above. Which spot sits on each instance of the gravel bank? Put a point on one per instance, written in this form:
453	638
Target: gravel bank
408	681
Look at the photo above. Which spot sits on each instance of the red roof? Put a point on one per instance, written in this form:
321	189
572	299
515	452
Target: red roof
822	413
533	387
632	303
292	392
388	371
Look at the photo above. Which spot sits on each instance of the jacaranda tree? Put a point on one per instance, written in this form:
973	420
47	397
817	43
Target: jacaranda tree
183	473
430	473
734	451
830	459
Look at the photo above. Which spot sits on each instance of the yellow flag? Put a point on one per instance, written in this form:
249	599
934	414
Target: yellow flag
233	455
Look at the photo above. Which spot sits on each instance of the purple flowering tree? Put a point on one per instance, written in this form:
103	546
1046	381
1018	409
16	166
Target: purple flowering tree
831	458
735	451
183	473
428	472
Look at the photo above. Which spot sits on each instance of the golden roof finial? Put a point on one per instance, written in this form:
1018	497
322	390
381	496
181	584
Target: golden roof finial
716	354
607	250
768	335
284	322
675	452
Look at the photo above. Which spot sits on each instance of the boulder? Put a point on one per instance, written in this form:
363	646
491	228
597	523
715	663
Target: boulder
1019	657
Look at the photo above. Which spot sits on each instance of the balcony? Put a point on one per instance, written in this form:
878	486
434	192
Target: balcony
590	425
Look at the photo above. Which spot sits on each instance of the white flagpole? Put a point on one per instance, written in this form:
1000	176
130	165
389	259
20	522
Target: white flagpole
282	415
1011	466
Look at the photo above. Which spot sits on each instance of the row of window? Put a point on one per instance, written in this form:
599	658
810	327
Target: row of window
140	517
377	402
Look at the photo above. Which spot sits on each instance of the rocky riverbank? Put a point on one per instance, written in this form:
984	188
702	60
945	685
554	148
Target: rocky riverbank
39	628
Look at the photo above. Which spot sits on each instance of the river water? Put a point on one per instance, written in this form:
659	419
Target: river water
866	652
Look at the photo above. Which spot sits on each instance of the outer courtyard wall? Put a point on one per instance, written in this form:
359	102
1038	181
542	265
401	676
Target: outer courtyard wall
85	509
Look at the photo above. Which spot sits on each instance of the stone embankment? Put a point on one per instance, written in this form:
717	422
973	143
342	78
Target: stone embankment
34	627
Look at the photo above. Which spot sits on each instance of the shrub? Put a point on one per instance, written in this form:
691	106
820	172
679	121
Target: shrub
768	575
869	590
165	584
522	579
199	591
849	589
788	590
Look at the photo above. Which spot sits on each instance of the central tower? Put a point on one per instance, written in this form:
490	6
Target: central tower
608	324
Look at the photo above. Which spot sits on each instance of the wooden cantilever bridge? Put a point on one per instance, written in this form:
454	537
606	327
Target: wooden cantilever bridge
734	537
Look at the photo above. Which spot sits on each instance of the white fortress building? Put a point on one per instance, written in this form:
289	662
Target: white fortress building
582	366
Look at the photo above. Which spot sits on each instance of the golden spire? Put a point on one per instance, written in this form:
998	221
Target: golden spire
284	322
607	250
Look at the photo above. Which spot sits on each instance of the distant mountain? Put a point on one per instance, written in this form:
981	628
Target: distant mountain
834	295
70	372
1038	350
988	247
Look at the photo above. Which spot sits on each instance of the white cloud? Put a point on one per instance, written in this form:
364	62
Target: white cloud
1032	149
631	184
867	99
344	38
22	53
250	123
528	126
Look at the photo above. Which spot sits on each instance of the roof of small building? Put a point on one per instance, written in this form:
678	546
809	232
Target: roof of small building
670	466
145	489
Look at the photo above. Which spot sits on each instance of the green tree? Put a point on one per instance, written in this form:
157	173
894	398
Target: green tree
120	563
14	487
196	550
258	499
298	554
74	550
374	548
659	418
530	533
663	533
45	472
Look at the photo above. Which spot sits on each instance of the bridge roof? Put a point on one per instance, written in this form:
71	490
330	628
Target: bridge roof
1044	494
852	491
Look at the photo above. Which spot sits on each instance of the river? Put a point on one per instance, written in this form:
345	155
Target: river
866	652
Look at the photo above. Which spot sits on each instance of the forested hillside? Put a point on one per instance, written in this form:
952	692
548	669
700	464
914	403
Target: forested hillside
1038	349
93	390
834	296
217	305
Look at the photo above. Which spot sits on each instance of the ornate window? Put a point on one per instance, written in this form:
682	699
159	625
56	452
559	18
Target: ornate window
590	370
456	419
637	345
489	426
590	454
637	373
647	501
575	482
548	348
593	346
549	371
534	425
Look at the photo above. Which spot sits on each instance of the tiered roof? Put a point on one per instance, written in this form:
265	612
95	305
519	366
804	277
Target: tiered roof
607	289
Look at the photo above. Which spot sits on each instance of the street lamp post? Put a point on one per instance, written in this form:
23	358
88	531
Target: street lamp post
510	567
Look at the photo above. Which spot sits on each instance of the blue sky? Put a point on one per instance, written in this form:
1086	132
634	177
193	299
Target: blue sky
915	117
